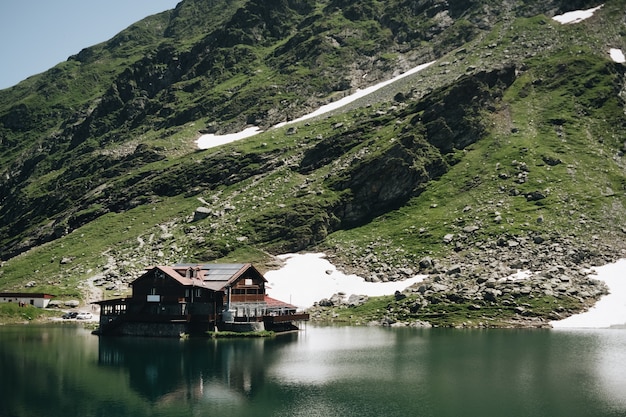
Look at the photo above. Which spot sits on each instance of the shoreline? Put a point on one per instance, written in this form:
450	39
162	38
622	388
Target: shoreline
316	278
610	310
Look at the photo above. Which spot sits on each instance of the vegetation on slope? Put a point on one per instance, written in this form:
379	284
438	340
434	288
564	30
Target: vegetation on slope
513	135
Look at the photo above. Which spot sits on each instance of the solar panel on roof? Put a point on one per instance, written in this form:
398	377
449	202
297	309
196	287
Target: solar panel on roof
214	272
211	266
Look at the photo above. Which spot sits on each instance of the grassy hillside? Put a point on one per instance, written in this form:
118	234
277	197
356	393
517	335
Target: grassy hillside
507	152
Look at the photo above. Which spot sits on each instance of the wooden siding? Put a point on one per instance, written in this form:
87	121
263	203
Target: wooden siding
249	288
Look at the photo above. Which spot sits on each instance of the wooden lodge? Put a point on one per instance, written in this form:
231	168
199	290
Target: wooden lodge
194	299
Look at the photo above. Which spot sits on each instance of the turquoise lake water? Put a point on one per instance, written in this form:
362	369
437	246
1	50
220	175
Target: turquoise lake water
320	371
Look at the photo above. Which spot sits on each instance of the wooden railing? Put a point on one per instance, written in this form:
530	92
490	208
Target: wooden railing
286	318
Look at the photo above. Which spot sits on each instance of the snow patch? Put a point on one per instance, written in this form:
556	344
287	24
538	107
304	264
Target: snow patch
210	140
617	55
611	309
518	276
307	278
576	16
355	96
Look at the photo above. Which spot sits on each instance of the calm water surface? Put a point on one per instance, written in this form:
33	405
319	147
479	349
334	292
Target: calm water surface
321	371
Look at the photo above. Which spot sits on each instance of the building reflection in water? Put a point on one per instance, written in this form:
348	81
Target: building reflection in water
222	371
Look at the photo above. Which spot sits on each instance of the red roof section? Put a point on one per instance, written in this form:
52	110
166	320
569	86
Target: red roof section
274	303
26	295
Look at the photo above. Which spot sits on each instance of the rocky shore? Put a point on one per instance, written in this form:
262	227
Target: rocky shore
499	280
509	275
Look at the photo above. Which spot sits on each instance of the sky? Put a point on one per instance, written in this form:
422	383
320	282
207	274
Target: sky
35	35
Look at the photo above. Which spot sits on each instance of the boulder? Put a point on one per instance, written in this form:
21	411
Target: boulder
426	263
535	196
492	294
201	213
399	296
356	300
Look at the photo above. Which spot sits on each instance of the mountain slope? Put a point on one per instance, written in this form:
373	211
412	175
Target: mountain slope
506	153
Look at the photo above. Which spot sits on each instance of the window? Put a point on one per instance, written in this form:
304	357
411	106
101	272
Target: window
248	281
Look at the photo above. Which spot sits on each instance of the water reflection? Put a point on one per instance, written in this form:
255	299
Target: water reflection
323	371
218	371
603	353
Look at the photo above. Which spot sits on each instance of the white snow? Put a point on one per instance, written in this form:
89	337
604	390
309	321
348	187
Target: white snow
617	55
611	309
355	96
576	16
210	140
518	276
307	278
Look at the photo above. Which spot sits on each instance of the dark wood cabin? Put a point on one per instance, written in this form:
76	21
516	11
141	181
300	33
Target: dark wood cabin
192	298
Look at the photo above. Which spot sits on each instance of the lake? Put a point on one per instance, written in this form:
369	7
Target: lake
63	370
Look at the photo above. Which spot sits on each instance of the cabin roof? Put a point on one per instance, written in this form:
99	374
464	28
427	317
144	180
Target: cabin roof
215	272
212	276
274	303
25	295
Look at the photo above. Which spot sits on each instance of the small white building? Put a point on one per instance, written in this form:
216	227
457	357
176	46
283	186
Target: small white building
35	299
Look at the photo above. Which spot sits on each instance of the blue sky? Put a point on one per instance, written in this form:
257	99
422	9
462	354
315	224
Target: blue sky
35	35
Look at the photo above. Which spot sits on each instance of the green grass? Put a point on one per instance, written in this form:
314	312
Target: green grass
12	313
563	106
523	134
88	247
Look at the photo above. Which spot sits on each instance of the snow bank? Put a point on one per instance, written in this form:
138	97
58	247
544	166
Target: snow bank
576	16
307	278
611	309
617	55
355	96
211	140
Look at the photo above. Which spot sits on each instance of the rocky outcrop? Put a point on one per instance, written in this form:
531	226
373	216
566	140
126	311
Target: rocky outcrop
381	184
510	273
446	120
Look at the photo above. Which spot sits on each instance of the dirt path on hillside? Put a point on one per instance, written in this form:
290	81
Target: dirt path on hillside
93	293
